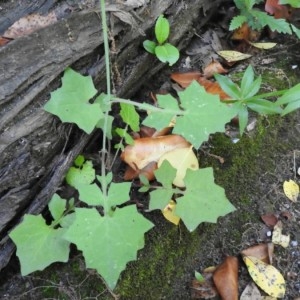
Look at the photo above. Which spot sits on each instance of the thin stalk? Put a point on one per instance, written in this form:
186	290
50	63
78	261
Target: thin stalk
108	92
146	106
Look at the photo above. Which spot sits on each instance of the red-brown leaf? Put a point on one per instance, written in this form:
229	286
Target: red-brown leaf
226	278
262	252
213	88
148	172
270	220
185	79
279	11
214	67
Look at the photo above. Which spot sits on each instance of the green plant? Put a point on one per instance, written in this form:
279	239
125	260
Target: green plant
244	97
107	230
257	19
165	52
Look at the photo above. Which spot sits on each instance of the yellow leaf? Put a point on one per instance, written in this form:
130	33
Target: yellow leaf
265	276
180	159
169	213
291	190
264	46
231	56
278	238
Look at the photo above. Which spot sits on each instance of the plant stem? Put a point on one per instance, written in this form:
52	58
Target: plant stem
108	92
146	106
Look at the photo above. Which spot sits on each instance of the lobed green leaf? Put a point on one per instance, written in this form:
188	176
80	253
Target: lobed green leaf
71	101
39	245
237	22
203	200
108	243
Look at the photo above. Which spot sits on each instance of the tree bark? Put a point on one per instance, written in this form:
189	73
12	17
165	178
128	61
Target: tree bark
36	149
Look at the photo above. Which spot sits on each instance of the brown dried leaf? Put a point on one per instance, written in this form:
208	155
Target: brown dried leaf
147	150
213	88
269	219
279	11
260	251
226	278
214	67
4	41
185	79
29	24
251	292
205	289
148	172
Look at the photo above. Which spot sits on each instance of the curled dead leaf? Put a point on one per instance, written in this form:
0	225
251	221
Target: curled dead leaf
147	171
214	67
204	289
278	238
225	278
147	150
269	219
260	251
185	79
170	214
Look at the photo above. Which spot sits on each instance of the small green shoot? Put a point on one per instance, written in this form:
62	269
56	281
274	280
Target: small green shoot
243	97
165	52
199	277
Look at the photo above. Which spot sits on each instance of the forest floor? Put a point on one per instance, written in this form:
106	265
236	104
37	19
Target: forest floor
252	174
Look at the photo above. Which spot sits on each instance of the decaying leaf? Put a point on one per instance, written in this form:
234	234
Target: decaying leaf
260	251
29	24
214	67
269	219
279	11
185	79
267	277
251	292
4	41
278	238
147	150
291	190
232	56
226	278
204	289
169	213
264	46
245	33
147	171
180	159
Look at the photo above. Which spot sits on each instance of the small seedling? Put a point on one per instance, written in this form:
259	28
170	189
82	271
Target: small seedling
165	52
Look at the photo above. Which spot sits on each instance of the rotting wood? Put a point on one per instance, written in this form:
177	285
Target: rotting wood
31	142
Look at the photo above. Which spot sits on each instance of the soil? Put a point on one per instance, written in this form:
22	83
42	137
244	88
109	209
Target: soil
252	174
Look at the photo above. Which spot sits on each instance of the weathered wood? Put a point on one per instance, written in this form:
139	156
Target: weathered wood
33	159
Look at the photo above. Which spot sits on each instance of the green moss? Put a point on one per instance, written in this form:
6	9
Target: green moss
158	266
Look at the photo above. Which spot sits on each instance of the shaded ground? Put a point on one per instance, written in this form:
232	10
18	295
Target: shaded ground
252	175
